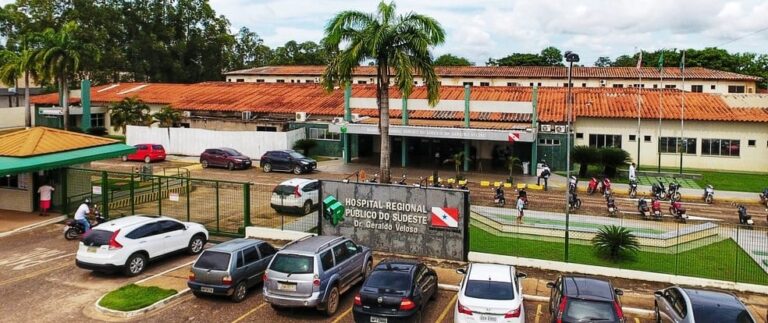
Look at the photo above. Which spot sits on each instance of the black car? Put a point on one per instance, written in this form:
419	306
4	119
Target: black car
395	291
287	160
688	305
584	299
224	157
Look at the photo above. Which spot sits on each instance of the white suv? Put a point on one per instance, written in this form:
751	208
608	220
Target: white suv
128	243
298	195
490	293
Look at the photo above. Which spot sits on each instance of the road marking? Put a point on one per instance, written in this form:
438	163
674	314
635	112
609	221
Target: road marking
34	273
447	308
338	318
249	312
538	313
35	257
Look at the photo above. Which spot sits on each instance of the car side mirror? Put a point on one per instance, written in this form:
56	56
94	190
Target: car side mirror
658	293
521	275
618	291
462	271
550	285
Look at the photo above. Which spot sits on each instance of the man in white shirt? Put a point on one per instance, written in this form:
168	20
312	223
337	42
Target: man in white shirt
81	215
632	171
45	198
545	172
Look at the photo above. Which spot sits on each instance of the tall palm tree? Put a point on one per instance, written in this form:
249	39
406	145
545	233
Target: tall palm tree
395	43
18	63
167	117
129	111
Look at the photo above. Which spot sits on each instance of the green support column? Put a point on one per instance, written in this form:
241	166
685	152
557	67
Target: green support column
404	143
131	194
105	194
346	155
246	205
466	125
85	102
534	126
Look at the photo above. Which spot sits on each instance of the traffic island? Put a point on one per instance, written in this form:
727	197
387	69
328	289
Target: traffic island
134	297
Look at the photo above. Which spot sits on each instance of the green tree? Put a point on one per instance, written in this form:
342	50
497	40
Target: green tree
520	59
458	159
129	112
551	56
512	163
18	63
585	156
611	158
306	53
615	243
603	61
451	60
397	43
629	61
167	117
305	145
249	51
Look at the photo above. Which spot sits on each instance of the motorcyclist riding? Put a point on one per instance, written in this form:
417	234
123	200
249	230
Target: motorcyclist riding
81	215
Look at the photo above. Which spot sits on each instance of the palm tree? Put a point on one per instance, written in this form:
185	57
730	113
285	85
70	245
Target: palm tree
395	43
614	242
511	164
167	117
584	156
17	63
458	160
129	111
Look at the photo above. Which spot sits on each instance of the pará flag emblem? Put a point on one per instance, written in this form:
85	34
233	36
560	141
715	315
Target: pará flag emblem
445	217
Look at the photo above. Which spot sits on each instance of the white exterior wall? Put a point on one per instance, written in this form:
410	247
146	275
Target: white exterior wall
12	117
750	159
192	142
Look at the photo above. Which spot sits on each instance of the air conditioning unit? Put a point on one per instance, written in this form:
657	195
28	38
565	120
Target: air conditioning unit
355	117
560	129
337	120
317	80
246	115
546	128
186	114
603	83
301	116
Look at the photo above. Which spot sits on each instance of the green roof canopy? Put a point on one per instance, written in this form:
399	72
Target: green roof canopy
16	165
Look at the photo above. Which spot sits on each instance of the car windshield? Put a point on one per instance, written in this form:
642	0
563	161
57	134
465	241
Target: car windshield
296	155
231	152
708	313
488	289
97	237
578	310
213	260
292	264
284	189
389	281
157	147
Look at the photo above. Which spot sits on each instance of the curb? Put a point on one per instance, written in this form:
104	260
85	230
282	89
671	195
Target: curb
33	226
156	305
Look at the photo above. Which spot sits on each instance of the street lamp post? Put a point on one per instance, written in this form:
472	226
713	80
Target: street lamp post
570	57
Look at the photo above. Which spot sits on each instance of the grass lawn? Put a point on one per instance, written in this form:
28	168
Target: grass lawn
121	138
714	261
133	297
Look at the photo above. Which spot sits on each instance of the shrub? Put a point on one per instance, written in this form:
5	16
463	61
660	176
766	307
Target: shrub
615	243
585	156
97	131
611	158
305	145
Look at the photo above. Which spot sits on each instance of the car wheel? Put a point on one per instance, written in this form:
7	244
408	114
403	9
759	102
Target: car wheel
135	264
333	302
147	160
297	170
657	317
266	168
198	294
230	166
124	157
238	295
307	207
196	244
368	268
204	163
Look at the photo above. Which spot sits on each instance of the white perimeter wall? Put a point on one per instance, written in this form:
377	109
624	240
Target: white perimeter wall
192	142
12	117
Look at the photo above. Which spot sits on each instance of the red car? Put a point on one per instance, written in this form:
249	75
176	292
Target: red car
147	152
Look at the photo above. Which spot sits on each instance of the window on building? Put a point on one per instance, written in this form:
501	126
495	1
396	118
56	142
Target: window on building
240	80
751	143
512	84
531	84
670	86
266	128
632	137
720	147
259	80
712	87
485	84
280	81
638	85
549	142
469	83
292	81
539	84
579	135
312	81
697	88
655	86
97	120
362	82
565	84
9	181
618	85
735	88
583	84
323	134
647	138
600	140
674	145
229	80
415	82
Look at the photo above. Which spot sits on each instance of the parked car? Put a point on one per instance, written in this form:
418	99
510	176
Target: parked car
576	298
224	157
684	304
230	268
286	160
296	195
490	293
314	272
396	290
147	153
129	243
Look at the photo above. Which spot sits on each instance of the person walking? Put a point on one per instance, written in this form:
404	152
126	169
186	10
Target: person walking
45	192
545	172
520	208
632	172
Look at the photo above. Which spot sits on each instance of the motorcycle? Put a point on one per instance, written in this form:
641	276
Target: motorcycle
498	197
658	190
573	184
709	194
656	208
611	204
402	180
764	197
574	202
642	207
592	187
632	188
673	194
744	218
74	229
678	211
605	185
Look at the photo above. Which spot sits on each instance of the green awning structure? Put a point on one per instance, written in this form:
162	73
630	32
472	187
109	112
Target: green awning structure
16	165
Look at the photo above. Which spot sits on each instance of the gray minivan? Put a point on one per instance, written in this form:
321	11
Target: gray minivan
230	268
314	272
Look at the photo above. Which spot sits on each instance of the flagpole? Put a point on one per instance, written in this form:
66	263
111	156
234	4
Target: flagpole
661	106
682	112
640	86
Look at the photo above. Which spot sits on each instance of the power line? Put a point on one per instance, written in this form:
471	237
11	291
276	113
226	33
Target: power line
742	37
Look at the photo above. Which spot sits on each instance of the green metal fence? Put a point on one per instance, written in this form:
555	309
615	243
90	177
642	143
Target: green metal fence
712	250
224	207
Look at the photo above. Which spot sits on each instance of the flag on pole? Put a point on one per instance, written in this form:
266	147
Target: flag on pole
661	61
640	61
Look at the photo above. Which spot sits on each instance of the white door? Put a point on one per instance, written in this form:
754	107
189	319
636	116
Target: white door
174	236
149	238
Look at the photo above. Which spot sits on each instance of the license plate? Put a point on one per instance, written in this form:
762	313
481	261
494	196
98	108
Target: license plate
286	287
487	318
376	319
93	249
206	289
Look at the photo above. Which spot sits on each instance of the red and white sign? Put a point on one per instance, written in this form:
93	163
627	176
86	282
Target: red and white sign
445	217
514	136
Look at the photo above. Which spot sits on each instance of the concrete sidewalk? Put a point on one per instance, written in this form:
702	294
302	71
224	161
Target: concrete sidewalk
14	221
